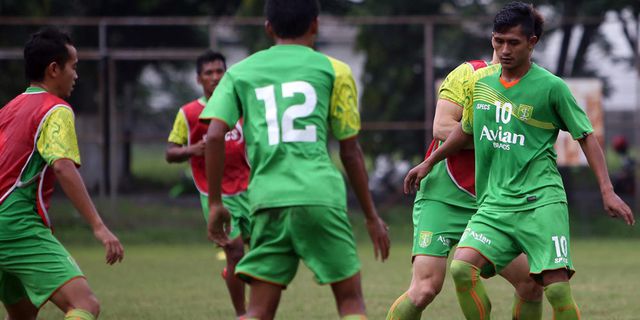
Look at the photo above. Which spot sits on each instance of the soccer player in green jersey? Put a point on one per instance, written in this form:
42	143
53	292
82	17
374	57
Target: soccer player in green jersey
186	143
38	144
513	120
291	97
441	213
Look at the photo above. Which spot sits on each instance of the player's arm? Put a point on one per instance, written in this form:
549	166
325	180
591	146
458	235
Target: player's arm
353	162
452	96
178	149
181	153
222	112
58	146
446	119
456	141
575	121
613	205
73	186
344	119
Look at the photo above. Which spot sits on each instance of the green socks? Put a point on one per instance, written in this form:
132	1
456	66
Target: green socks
404	309
526	310
79	314
560	298
472	296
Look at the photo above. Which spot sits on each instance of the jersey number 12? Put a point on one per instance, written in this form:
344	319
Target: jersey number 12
289	133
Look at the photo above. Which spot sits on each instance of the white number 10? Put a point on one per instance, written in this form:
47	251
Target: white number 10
289	133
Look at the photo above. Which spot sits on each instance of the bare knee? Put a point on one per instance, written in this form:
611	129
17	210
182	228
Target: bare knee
89	303
423	291
529	290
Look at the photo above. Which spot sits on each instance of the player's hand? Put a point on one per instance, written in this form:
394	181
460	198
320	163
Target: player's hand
219	225
112	246
197	150
616	208
379	234
415	175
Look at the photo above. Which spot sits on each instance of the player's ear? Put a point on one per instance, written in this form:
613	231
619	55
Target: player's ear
53	70
313	28
269	29
533	41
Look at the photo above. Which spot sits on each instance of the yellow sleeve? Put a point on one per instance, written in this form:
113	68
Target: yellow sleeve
454	85
180	132
469	89
344	116
58	138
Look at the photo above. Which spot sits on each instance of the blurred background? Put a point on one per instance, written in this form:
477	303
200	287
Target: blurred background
137	68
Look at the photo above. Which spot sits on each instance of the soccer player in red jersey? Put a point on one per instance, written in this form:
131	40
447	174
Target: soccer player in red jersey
38	144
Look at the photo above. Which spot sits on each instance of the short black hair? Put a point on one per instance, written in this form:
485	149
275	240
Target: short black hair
291	18
519	14
209	56
44	47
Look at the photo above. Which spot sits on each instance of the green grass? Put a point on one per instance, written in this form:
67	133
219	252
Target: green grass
182	282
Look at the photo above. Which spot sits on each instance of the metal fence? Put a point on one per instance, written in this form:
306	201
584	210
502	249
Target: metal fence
110	132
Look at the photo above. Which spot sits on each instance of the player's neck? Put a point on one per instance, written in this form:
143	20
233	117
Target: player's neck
302	41
510	75
44	86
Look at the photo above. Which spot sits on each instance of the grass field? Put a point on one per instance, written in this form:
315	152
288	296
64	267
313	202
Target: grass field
183	282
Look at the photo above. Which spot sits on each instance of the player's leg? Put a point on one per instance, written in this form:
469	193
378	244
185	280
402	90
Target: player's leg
558	292
47	271
271	263
238	206
472	296
484	249
349	298
545	238
264	298
528	297
426	282
234	252
15	299
76	300
437	227
324	240
21	310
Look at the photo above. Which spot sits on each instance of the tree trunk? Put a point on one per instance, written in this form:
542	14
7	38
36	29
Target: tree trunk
570	11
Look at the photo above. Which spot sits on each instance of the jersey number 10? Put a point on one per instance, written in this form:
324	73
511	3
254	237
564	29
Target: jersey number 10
289	133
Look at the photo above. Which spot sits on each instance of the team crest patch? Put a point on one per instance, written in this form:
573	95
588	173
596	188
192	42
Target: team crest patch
524	112
425	239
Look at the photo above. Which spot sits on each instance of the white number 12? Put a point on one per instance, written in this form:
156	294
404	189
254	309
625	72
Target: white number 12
289	133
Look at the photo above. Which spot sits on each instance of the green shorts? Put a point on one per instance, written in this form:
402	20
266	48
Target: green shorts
320	236
541	233
437	227
34	266
238	206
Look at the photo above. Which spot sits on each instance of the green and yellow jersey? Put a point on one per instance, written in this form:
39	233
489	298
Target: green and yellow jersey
291	97
514	129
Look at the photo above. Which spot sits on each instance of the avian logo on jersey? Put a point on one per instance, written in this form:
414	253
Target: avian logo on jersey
501	136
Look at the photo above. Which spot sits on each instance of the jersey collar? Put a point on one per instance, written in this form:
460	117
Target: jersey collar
34	90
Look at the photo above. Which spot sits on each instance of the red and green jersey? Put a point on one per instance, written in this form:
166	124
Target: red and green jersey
514	128
452	181
36	129
290	97
188	130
